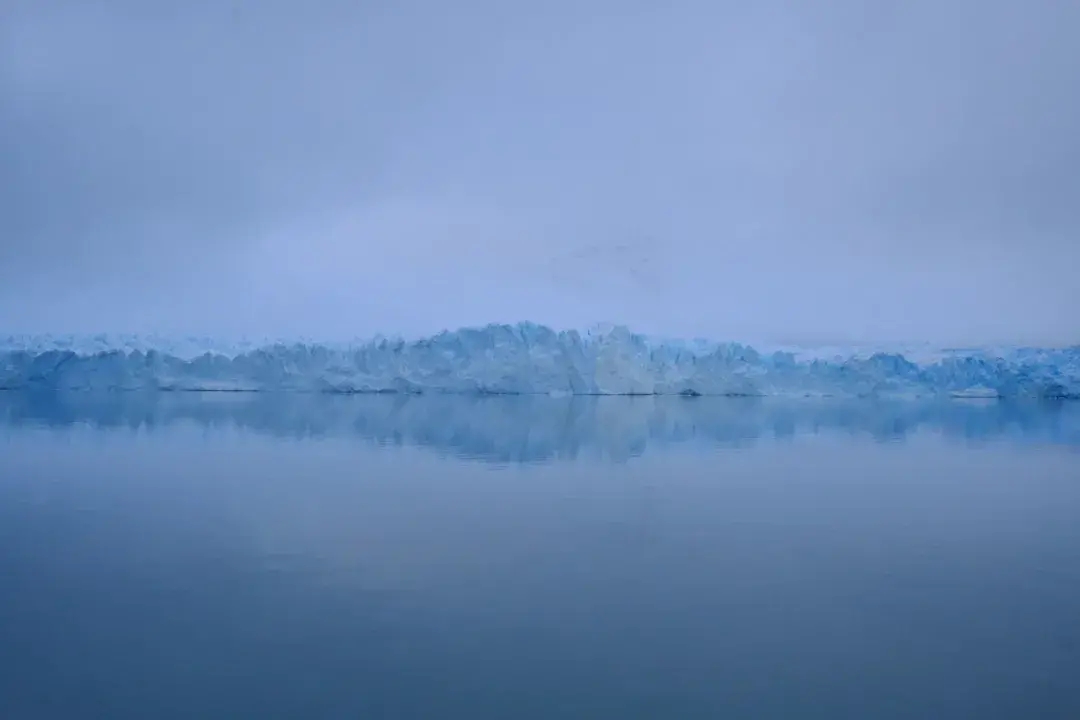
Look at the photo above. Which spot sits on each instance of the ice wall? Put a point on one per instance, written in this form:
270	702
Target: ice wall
531	359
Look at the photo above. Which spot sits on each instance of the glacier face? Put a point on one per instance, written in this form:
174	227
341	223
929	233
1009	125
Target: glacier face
528	359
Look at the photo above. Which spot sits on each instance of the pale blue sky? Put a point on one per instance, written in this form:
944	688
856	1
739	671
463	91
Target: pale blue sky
769	170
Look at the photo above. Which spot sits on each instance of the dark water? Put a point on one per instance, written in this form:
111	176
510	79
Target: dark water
239	556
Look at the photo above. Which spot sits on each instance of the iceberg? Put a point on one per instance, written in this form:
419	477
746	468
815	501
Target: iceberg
531	359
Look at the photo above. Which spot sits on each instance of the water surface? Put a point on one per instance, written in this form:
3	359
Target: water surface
302	556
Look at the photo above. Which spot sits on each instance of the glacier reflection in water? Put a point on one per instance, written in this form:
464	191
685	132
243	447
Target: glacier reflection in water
259	555
541	429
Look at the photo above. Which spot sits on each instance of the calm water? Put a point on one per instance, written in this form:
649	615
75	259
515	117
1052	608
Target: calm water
240	556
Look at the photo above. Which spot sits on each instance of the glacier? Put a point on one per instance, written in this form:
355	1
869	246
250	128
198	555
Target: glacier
529	358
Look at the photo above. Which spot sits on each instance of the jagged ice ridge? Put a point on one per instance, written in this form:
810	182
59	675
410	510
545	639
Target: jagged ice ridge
528	359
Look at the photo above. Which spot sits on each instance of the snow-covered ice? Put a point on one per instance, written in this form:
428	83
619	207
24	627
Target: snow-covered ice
531	359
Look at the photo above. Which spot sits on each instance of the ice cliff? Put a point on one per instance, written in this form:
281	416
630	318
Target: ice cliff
529	359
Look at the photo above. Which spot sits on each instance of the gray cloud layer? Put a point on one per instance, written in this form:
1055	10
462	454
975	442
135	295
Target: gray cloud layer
781	170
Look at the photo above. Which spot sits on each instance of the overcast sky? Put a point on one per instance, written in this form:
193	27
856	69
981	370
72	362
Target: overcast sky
815	171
